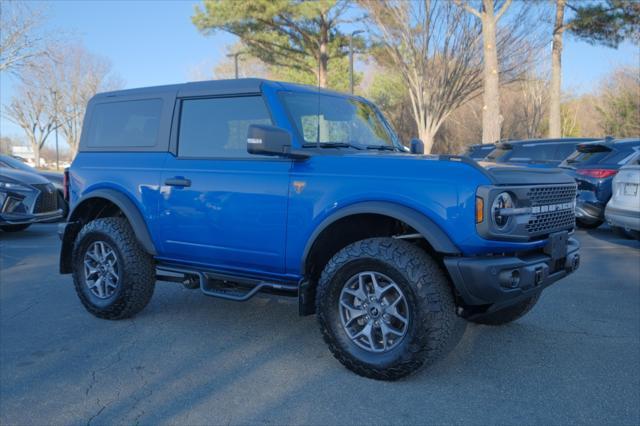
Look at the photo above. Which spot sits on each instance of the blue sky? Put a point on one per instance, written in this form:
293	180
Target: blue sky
154	42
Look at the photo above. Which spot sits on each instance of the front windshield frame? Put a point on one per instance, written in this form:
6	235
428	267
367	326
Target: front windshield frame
394	144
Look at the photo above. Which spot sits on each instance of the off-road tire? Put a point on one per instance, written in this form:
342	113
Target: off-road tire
137	269
434	327
509	314
15	228
588	224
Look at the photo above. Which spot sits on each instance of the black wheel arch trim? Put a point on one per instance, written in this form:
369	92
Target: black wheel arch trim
431	232
128	208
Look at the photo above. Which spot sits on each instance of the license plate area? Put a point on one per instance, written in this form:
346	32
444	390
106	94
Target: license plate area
557	245
630	189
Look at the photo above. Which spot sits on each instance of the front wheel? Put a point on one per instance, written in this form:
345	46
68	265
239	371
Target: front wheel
385	308
113	276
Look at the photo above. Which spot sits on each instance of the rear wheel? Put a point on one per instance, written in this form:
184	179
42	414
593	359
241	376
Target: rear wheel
385	309
588	224
508	314
113	276
15	228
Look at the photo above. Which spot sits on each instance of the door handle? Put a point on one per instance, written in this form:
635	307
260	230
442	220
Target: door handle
178	181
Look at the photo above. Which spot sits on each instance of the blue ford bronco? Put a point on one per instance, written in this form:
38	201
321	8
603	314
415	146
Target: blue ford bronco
236	187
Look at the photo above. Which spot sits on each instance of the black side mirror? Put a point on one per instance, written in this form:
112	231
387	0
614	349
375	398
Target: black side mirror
270	140
417	147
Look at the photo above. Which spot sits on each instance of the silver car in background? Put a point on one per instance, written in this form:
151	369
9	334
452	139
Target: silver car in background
623	210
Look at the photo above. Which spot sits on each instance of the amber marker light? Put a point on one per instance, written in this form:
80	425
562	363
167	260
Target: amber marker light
479	209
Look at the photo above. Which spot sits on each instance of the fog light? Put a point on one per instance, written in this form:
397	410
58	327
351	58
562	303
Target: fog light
510	278
515	279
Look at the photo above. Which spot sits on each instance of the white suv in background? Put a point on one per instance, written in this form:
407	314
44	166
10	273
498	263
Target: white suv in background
623	210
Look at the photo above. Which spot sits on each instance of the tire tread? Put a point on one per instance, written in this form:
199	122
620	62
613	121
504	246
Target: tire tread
138	269
438	326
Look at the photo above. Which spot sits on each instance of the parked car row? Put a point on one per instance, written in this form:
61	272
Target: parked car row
606	172
28	195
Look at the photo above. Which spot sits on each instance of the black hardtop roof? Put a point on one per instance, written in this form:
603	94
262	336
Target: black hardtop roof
614	142
230	86
507	144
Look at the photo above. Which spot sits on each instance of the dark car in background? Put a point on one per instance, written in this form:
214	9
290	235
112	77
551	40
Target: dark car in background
26	198
479	151
594	166
541	153
56	178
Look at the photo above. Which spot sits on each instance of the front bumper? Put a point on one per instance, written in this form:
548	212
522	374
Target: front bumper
25	218
627	219
503	280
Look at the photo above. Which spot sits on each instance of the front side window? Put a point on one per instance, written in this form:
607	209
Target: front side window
326	119
217	127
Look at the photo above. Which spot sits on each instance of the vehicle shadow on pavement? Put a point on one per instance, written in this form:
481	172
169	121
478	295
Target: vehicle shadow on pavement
28	234
189	359
606	234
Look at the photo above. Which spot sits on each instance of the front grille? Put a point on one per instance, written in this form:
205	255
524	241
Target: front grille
549	222
47	200
545	195
554	209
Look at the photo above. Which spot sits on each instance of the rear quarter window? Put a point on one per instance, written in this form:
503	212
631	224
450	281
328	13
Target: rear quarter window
534	152
125	124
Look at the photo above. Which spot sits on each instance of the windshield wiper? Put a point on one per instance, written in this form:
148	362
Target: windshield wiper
381	147
331	145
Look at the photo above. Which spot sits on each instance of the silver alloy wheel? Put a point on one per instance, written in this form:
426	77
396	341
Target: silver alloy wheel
374	311
101	274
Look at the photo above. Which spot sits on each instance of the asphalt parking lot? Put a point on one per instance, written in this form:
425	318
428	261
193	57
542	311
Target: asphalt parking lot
190	359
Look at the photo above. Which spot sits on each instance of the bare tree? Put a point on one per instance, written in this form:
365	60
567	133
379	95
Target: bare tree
489	14
31	110
619	103
555	121
54	94
534	91
512	36
20	40
73	76
435	48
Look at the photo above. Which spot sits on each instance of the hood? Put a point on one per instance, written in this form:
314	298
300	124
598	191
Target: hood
497	173
22	176
511	174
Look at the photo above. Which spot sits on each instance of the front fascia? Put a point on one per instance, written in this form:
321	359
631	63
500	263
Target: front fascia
443	191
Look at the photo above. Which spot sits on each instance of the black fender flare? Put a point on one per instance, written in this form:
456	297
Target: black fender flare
429	230
124	203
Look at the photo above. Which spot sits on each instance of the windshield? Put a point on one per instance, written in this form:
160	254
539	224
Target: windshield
326	120
12	163
499	153
532	152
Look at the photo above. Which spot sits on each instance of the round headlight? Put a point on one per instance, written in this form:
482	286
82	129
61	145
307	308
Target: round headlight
502	201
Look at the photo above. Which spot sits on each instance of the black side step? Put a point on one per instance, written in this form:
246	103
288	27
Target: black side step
224	286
